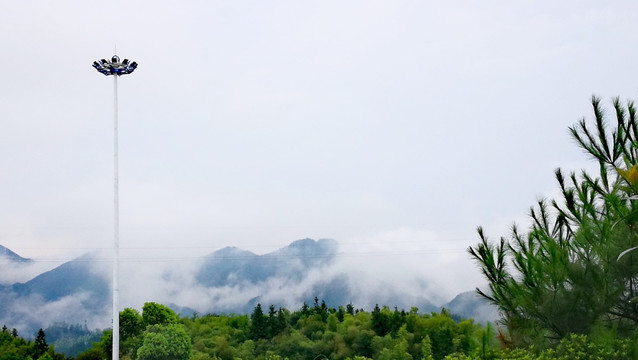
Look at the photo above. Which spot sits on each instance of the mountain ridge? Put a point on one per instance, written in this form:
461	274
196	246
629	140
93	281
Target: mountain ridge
229	280
244	266
5	253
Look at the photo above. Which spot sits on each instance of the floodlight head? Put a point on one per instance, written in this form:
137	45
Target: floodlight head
115	67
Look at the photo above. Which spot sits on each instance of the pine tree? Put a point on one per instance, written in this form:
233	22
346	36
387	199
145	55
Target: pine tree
341	313
566	274
40	346
271	323
305	310
282	321
380	320
350	309
426	348
258	324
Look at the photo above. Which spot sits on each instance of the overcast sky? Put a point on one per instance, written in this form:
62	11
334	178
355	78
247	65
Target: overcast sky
393	127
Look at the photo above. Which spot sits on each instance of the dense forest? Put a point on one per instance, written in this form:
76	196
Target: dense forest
14	347
311	332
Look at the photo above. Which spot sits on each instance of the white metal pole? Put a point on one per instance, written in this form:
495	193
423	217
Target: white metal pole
115	68
116	233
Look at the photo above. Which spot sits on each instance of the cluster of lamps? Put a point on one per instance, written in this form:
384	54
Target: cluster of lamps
115	67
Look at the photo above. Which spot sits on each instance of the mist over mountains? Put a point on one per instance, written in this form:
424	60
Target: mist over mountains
231	266
10	256
229	280
72	292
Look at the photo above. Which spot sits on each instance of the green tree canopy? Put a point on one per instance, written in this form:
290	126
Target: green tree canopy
165	342
131	323
564	275
40	346
157	314
258	324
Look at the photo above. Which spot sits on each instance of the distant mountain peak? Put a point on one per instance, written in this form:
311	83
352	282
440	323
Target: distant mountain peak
231	265
302	242
232	252
8	254
324	247
310	242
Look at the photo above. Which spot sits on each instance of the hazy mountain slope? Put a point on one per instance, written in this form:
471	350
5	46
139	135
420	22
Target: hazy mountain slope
8	255
470	305
227	266
69	278
73	292
294	274
14	268
231	266
229	280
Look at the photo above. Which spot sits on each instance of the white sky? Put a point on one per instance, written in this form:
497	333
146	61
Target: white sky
392	127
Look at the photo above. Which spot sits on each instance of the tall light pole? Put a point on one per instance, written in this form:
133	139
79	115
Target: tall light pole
116	68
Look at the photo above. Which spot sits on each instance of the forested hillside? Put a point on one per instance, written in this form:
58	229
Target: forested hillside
321	332
317	330
14	347
311	332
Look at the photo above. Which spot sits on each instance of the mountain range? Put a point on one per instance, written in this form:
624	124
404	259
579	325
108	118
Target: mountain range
229	280
230	265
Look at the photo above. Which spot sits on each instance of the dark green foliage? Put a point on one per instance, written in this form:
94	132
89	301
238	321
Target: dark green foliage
40	346
564	275
340	313
417	336
157	314
306	335
572	347
267	327
279	322
165	342
582	348
350	309
397	320
133	330
442	343
92	354
381	320
15	348
319	309
106	343
258	324
131	323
